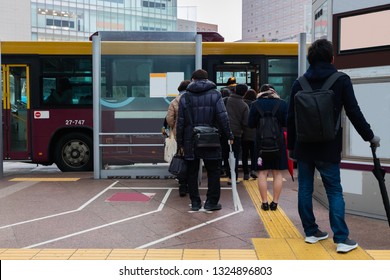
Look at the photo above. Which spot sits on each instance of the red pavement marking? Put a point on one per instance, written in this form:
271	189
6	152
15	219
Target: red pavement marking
128	197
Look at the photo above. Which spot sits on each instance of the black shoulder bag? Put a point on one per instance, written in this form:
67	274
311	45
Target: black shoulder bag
203	136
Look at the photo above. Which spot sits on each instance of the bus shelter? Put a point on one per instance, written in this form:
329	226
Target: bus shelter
135	76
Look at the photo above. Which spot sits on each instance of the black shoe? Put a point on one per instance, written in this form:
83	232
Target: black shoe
183	190
246	176
253	174
265	206
195	206
212	207
230	182
273	206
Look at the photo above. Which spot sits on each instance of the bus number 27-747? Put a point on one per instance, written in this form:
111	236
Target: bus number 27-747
74	122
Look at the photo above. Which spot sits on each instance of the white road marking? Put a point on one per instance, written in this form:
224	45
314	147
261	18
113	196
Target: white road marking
112	186
62	213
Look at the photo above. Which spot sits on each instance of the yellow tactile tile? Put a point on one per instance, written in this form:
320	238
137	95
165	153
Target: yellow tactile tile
18	254
201	254
273	249
91	254
164	254
236	254
127	254
44	179
276	223
379	254
305	251
54	254
357	254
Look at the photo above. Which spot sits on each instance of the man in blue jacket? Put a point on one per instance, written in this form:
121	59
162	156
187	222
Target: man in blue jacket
325	156
206	109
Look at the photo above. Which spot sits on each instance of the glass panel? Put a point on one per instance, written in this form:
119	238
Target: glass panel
242	77
67	81
136	91
282	65
18	103
281	74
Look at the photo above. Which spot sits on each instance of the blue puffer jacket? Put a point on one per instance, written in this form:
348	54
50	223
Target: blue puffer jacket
207	109
345	98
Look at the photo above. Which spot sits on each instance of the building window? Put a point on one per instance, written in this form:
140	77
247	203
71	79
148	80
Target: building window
151	4
114	1
60	23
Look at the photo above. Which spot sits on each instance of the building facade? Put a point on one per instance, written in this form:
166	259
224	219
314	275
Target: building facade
76	20
275	20
189	26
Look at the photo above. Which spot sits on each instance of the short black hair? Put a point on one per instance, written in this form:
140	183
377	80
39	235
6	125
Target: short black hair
183	85
266	87
200	74
320	50
250	94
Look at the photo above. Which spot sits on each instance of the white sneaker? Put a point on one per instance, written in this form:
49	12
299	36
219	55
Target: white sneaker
346	246
318	236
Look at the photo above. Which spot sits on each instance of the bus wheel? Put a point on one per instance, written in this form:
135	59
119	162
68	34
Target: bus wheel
74	153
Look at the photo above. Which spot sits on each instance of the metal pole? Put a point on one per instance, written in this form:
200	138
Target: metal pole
198	54
302	54
96	68
1	118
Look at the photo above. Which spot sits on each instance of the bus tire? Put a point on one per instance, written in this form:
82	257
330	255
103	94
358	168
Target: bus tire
74	152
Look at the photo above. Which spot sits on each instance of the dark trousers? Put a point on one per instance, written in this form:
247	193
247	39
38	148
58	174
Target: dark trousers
213	180
248	150
225	154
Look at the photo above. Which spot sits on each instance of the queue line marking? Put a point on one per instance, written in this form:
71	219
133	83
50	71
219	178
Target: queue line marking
62	213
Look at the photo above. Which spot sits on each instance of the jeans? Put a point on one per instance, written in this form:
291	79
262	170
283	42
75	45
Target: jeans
330	175
213	180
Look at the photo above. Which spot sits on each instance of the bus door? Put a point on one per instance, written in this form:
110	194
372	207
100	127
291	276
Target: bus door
16	102
244	74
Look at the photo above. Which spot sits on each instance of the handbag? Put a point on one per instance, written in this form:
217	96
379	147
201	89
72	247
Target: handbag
170	148
203	136
178	165
206	137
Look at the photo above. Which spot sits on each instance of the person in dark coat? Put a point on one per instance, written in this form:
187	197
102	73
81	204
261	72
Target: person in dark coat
267	99
238	112
248	141
206	109
325	156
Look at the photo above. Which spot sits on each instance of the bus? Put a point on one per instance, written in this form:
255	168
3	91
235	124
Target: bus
47	94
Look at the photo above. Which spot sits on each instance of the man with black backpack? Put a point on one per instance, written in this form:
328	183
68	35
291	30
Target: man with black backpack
321	149
268	115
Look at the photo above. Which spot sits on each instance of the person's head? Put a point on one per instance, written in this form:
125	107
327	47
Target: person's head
320	50
266	87
225	92
241	89
250	94
199	74
183	85
231	82
267	91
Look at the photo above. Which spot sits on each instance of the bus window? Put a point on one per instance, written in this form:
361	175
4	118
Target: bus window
281	74
67	81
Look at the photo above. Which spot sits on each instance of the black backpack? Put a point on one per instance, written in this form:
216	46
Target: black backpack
268	133
315	112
